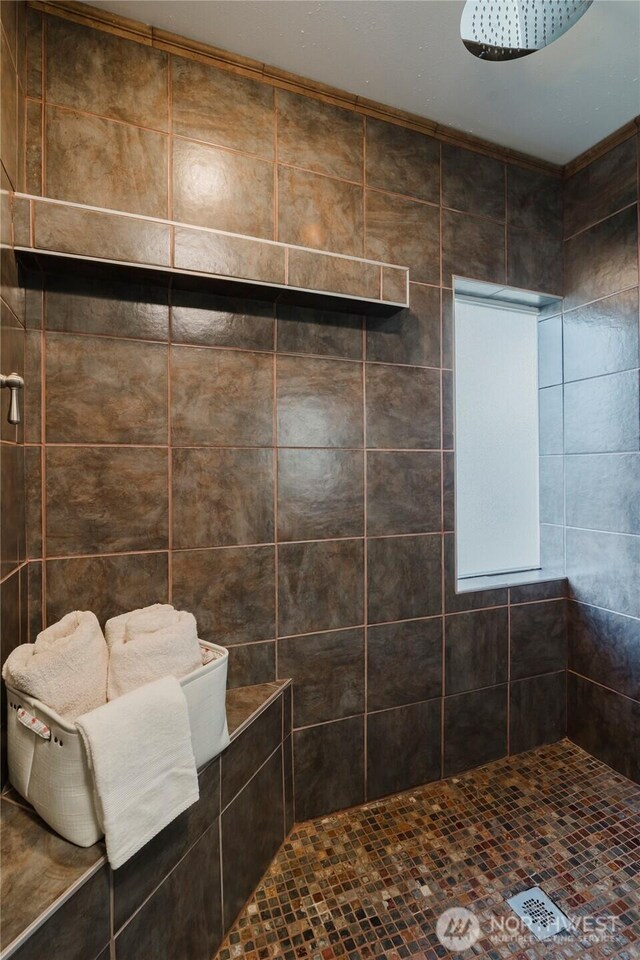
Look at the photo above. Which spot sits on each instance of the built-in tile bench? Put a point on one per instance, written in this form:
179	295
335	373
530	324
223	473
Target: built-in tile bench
180	894
224	262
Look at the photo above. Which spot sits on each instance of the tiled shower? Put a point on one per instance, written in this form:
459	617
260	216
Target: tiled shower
286	472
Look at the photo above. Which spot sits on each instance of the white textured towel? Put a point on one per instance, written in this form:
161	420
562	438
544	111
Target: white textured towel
66	668
140	755
150	643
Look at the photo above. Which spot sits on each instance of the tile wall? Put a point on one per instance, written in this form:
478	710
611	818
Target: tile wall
286	474
602	456
13	568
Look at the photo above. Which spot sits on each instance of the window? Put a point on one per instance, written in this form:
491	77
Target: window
496	432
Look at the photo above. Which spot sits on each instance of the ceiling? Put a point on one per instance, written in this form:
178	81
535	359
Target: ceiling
407	53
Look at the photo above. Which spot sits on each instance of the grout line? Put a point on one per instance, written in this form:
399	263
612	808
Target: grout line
604	686
597	223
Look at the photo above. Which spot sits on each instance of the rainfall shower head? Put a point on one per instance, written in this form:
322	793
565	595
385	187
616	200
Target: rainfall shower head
508	29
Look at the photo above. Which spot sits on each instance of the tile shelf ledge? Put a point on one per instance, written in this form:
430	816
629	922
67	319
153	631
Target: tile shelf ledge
48	231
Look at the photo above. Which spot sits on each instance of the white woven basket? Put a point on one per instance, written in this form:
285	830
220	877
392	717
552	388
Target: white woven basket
52	773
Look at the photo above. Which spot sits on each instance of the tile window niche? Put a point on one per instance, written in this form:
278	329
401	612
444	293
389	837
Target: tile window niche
508	426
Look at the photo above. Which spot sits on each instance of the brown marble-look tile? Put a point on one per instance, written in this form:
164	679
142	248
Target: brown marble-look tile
33	53
106	500
98	72
76	304
77	929
402	161
231	592
35	606
329	767
321	332
404	578
410	336
222	497
472	183
327	670
107	585
228	191
184	915
89	234
537	711
404	232
87	158
228	256
105	390
316	271
603	646
33	500
316	211
9	119
603	187
252	829
403	407
394	284
139	876
250	748
221	397
538	638
213	321
33	147
475	729
403	492
223	108
476	649
534	201
251	663
534	261
601	260
604	724
319	136
319	403
404	663
31	398
448	491
447	329
246	704
320	494
403	748
12	508
320	585
472	247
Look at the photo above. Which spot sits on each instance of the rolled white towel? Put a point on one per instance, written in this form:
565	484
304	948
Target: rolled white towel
66	668
148	644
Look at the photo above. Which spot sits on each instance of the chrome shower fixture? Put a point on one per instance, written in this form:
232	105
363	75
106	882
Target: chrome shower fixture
509	29
13	382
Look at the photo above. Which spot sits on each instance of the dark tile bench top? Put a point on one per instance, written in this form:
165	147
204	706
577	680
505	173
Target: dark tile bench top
40	870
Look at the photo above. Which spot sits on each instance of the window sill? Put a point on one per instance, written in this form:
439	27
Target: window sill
517	579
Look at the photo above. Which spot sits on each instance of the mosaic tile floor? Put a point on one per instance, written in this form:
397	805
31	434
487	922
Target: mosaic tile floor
371	882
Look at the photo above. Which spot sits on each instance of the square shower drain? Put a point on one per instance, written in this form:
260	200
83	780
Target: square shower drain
539	913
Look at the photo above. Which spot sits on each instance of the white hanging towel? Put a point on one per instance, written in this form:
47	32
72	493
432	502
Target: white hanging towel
141	759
